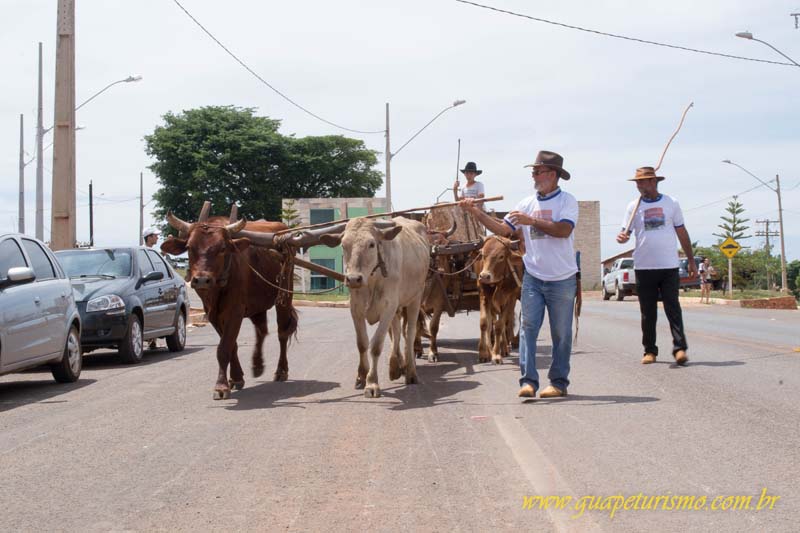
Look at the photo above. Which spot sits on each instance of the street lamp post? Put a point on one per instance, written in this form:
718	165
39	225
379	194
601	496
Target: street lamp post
749	36
776	190
390	155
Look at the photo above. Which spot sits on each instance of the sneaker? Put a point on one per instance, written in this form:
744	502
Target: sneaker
680	357
648	359
527	391
552	392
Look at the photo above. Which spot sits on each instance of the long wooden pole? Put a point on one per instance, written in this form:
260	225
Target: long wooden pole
393	213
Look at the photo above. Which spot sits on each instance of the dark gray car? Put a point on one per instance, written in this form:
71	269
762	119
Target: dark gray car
39	321
127	296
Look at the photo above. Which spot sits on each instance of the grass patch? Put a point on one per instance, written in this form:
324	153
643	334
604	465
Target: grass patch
329	297
748	294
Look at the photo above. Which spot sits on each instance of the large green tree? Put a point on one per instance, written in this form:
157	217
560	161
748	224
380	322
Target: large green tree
228	154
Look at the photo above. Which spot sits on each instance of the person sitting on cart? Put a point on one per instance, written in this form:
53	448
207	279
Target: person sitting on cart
473	188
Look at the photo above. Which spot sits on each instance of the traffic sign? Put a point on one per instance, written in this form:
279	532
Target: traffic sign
730	247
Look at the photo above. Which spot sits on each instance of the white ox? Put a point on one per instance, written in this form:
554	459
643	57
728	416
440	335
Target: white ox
386	264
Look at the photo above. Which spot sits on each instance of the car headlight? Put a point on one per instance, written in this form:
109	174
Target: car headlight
109	302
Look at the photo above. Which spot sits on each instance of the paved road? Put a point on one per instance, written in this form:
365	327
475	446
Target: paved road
146	448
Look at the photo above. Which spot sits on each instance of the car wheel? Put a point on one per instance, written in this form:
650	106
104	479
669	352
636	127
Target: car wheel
177	340
131	347
618	294
606	294
68	370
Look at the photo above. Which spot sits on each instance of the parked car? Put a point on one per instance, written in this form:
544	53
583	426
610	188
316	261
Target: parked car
620	280
127	296
39	320
686	282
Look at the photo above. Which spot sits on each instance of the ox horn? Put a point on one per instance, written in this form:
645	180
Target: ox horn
205	211
256	237
180	225
385	224
236	227
452	230
304	239
234	213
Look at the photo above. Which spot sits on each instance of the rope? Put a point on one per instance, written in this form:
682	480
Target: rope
268	282
435	270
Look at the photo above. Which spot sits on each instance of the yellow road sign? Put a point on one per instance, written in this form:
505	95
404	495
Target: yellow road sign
730	247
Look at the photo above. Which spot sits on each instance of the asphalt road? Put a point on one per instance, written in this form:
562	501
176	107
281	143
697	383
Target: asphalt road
146	448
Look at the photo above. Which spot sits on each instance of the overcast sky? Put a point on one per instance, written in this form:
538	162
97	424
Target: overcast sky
607	105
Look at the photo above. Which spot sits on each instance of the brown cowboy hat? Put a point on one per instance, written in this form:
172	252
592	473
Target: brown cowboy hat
471	167
645	173
550	160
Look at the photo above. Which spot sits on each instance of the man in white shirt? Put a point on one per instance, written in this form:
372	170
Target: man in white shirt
150	236
545	221
657	221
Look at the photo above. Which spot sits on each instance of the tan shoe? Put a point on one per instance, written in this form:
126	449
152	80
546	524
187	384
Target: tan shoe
680	357
552	392
527	391
648	359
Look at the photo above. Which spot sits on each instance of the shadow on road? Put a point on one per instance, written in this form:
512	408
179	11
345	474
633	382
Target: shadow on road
586	400
15	394
101	360
265	394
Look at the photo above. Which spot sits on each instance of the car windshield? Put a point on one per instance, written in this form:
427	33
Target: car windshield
96	263
628	263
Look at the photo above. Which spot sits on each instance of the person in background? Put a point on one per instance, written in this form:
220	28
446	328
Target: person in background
150	236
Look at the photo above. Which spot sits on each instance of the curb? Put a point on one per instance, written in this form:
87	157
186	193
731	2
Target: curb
315	303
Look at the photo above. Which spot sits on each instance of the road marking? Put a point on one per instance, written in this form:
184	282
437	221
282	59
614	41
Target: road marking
541	473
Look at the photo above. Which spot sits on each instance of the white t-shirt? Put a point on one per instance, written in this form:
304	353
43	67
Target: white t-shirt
471	192
546	257
654	226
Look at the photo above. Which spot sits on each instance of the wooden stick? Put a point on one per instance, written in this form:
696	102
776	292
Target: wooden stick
629	225
393	213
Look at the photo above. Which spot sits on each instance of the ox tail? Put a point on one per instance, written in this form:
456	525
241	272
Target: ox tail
292	329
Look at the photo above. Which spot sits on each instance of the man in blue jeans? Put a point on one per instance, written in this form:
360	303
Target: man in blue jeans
545	221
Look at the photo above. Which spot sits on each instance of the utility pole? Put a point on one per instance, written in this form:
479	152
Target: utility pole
796	21
21	224
141	208
784	284
388	165
40	159
766	233
63	191
91	216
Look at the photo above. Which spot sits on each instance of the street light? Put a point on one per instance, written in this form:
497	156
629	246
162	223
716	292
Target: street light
776	190
749	36
390	155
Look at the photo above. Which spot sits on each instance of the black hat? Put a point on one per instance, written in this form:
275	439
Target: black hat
471	167
550	160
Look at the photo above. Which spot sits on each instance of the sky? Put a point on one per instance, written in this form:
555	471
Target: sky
607	105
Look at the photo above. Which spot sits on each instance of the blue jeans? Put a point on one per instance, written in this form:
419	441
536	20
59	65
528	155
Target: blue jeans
558	297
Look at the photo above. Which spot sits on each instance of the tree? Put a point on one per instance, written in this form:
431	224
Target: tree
289	215
733	225
227	154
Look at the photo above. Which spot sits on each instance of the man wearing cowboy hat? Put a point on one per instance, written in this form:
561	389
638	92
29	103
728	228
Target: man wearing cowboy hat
545	221
657	220
473	189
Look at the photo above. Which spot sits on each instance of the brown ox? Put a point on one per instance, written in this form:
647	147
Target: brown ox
500	284
385	269
221	270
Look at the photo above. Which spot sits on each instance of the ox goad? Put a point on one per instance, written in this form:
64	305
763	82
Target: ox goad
221	274
385	270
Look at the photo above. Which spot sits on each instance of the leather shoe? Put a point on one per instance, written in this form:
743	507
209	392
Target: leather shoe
680	357
552	392
648	359
527	391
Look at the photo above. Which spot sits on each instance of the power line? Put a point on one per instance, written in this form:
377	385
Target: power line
723	199
644	41
265	82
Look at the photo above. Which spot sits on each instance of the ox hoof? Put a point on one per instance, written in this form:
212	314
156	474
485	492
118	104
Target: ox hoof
394	369
372	391
222	394
236	385
412	380
360	382
484	358
433	357
418	354
258	370
497	360
281	375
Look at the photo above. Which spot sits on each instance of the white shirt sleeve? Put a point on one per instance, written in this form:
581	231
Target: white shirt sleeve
479	189
569	211
677	215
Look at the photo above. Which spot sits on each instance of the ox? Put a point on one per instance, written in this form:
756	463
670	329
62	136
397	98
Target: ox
386	263
499	284
229	276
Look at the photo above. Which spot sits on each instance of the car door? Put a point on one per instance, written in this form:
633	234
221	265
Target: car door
52	295
167	290
21	319
148	294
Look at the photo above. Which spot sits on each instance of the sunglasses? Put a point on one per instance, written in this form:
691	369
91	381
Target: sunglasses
539	172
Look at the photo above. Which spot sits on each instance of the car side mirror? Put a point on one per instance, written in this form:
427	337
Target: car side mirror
153	276
17	276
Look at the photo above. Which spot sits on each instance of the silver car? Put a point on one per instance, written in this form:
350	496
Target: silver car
39	321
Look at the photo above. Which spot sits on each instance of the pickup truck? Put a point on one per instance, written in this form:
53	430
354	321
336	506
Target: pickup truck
620	280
